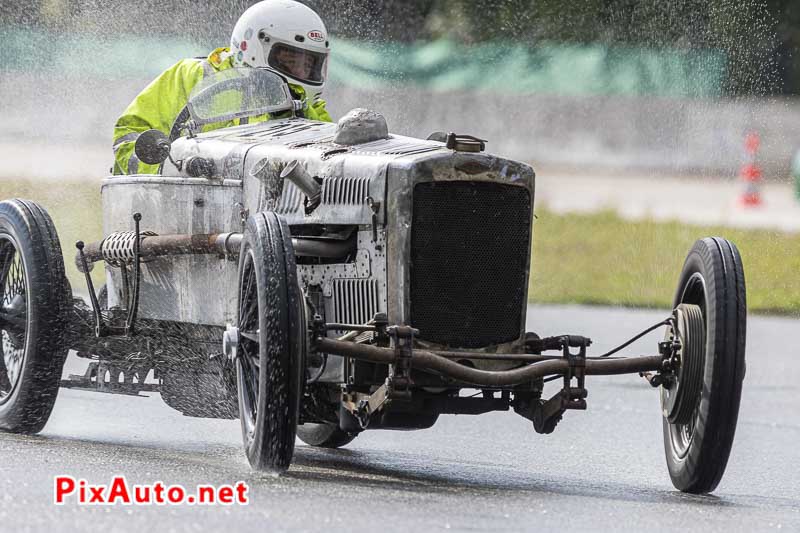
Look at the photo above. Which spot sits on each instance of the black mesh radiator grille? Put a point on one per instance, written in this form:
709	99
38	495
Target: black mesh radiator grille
469	258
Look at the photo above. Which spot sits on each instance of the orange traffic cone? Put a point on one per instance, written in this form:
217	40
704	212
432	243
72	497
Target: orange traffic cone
750	173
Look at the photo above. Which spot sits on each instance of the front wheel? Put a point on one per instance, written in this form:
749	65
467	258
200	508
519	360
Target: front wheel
33	311
701	403
270	353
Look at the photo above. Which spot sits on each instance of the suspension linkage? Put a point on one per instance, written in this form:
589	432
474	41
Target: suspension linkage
101	328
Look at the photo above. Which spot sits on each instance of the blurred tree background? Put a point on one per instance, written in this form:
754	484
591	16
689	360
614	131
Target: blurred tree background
761	38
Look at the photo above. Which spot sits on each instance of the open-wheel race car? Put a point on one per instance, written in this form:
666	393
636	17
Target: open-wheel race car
318	280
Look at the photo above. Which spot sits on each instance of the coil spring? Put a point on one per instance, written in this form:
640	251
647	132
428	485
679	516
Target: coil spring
118	248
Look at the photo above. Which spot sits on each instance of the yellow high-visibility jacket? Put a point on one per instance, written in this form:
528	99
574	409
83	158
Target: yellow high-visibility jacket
158	105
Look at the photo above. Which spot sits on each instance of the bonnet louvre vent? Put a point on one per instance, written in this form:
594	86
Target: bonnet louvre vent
394	146
355	301
347	191
335	191
291	199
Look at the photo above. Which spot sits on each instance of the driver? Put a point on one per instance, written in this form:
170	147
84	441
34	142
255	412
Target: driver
284	35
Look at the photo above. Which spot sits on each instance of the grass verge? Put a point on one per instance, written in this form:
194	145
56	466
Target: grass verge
75	210
602	259
587	259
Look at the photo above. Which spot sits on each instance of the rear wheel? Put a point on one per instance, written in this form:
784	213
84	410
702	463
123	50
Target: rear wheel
270	355
701	404
33	311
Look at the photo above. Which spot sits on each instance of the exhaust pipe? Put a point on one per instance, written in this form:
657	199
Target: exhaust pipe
297	174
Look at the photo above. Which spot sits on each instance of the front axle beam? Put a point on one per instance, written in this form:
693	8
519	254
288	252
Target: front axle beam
433	362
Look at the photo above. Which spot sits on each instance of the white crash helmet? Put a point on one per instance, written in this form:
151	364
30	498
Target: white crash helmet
287	36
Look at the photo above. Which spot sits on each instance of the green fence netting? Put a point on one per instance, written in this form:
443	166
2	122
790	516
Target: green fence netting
440	65
550	68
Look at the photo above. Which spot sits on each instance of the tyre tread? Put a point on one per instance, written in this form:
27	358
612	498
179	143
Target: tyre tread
272	447
719	262
30	407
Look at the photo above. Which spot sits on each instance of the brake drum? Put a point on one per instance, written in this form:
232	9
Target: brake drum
681	394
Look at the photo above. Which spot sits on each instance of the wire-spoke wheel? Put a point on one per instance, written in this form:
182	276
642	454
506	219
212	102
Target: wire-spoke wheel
33	311
271	331
248	364
13	315
701	406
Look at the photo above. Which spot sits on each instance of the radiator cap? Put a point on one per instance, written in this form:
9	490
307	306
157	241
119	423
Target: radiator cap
361	126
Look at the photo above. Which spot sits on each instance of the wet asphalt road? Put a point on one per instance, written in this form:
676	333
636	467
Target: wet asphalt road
601	470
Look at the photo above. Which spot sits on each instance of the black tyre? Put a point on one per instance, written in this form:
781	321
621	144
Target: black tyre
270	360
712	284
324	435
33	315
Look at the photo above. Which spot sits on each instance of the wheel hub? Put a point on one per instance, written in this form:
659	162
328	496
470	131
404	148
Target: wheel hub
230	342
680	395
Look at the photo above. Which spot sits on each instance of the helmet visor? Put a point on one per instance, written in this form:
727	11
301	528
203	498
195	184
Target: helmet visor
302	65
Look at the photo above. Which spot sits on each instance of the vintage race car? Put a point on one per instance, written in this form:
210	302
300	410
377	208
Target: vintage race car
318	280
